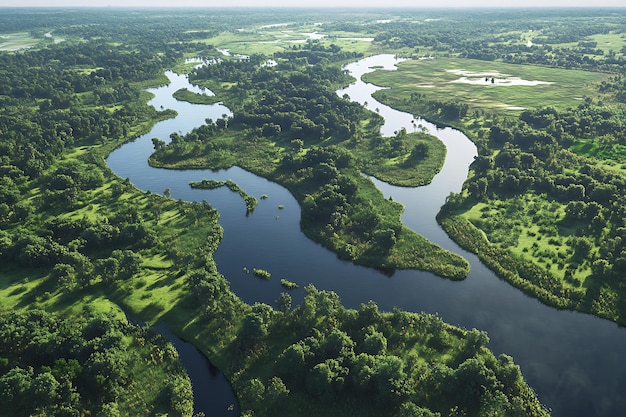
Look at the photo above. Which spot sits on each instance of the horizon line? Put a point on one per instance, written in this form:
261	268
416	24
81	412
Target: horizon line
314	7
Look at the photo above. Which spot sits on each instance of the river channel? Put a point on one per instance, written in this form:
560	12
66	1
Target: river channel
574	361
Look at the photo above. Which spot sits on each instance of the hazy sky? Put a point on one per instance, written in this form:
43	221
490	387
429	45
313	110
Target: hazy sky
315	3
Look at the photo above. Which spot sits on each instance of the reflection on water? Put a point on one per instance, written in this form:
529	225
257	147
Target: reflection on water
212	394
574	361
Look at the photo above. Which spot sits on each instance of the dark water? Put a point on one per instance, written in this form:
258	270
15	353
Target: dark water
212	394
574	361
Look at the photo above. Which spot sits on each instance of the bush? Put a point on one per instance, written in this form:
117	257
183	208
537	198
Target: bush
261	273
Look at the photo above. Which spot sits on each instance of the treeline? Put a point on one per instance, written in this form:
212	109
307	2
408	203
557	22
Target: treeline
371	363
47	103
532	158
33	138
75	250
290	99
315	52
444	109
480	35
65	69
87	365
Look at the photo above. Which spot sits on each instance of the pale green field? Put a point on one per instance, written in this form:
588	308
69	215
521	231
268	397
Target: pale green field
17	41
268	40
609	42
515	87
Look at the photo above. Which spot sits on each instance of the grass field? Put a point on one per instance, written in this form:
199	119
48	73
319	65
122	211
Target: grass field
514	87
530	227
610	42
607	42
267	40
17	41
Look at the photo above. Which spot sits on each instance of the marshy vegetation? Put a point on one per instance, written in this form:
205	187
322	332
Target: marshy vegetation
251	201
543	207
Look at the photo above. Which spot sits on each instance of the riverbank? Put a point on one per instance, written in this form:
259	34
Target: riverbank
340	208
540	337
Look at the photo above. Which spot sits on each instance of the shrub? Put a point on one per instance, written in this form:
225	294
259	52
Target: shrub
288	284
261	273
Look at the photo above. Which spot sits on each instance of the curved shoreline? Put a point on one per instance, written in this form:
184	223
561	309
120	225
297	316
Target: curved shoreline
544	341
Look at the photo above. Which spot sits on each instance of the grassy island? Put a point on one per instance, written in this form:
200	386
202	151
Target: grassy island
194	98
251	201
320	159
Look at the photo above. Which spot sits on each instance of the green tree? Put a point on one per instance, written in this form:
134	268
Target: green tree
319	381
409	409
390	380
254	393
375	343
284	302
44	390
276	389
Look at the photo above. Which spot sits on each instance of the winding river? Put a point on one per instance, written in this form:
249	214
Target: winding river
574	361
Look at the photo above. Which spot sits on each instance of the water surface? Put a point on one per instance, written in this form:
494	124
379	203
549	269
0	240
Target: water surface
574	361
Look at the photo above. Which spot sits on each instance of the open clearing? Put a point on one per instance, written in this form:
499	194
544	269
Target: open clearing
17	41
279	37
490	86
612	42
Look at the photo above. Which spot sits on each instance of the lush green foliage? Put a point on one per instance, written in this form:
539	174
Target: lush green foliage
290	125
262	273
290	285
372	363
544	207
547	189
559	214
556	38
251	201
194	98
89	365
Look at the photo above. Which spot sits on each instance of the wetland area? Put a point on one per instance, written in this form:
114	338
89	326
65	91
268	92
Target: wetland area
569	358
358	212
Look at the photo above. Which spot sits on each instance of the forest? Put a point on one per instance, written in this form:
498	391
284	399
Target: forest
81	249
284	114
547	186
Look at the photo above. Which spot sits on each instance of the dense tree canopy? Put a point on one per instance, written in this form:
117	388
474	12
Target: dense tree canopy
55	366
70	231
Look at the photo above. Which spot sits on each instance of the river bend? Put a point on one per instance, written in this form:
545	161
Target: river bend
574	361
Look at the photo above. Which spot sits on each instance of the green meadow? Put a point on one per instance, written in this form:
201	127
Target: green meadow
611	42
17	41
531	227
514	87
268	40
